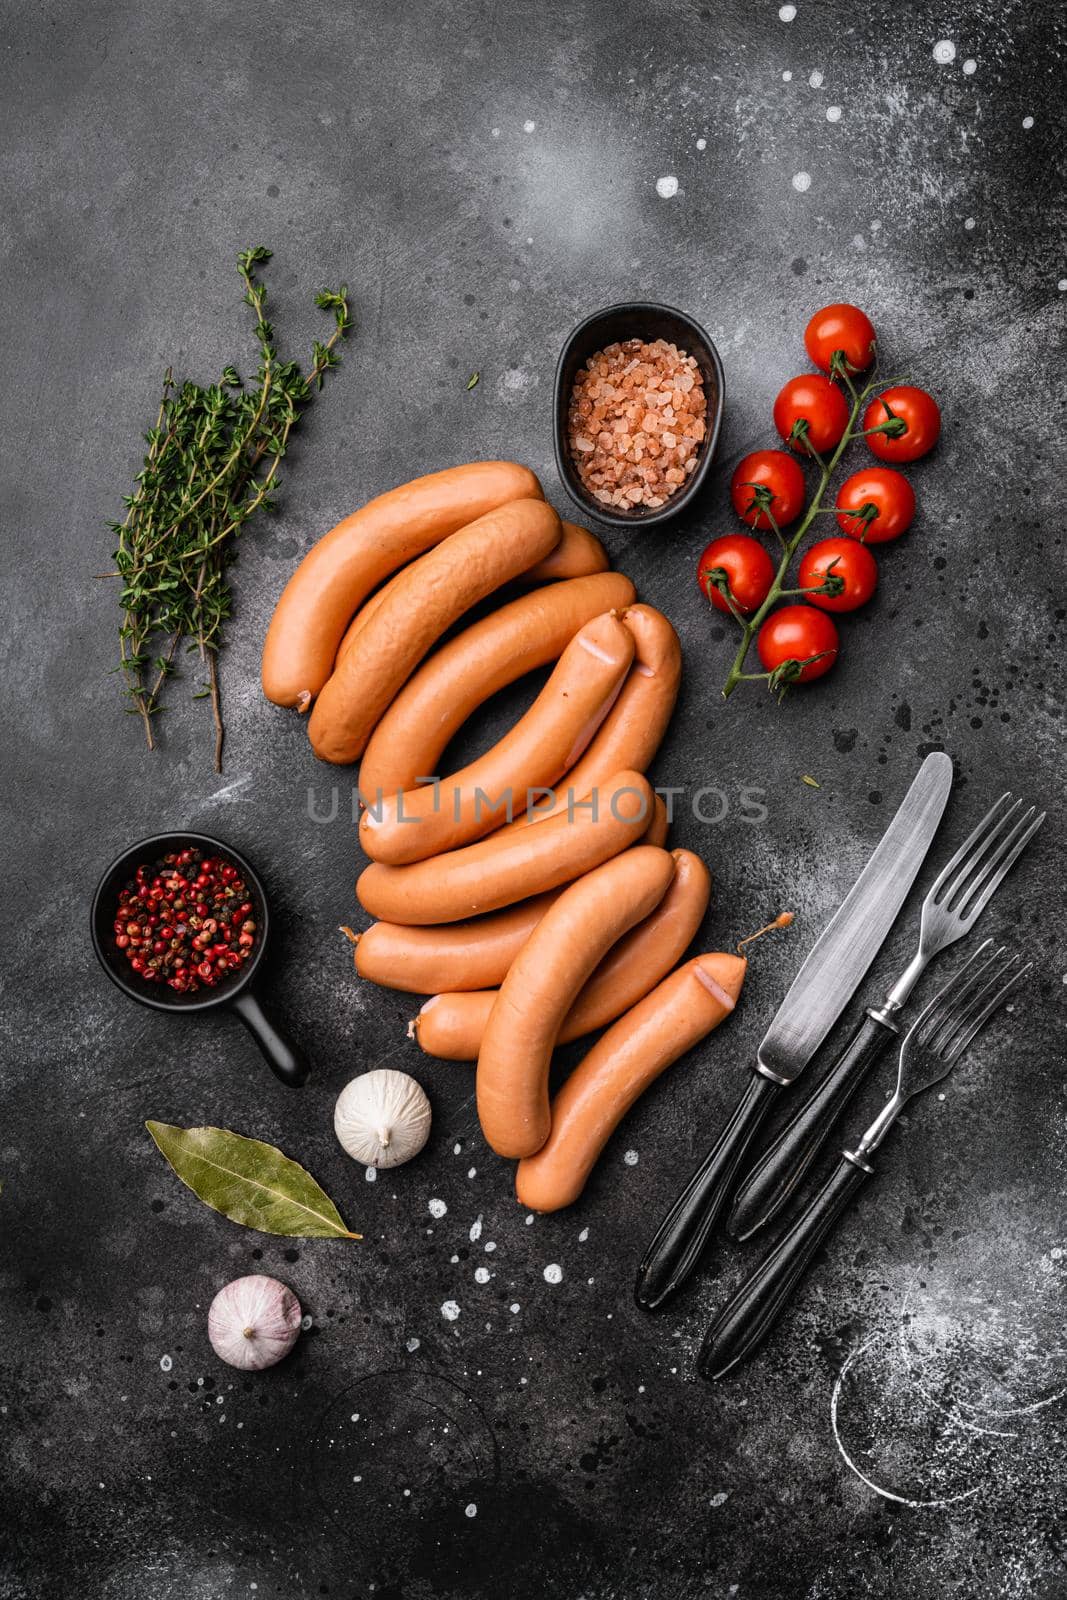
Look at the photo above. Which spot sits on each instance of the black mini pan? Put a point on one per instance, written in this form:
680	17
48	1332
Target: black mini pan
637	320
236	994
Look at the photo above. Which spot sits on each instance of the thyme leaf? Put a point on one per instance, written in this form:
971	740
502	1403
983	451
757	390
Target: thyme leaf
212	461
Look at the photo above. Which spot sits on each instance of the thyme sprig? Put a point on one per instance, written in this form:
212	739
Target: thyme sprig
212	461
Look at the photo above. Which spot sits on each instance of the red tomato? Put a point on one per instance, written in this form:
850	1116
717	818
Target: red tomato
813	400
892	497
841	328
749	571
850	561
795	633
921	418
780	475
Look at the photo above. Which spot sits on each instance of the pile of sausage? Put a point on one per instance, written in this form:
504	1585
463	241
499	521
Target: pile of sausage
528	930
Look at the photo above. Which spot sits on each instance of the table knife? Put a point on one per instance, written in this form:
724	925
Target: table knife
818	994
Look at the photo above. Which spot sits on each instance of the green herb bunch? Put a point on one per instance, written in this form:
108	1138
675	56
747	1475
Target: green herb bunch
213	459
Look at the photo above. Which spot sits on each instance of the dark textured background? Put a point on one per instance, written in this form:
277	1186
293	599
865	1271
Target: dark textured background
142	146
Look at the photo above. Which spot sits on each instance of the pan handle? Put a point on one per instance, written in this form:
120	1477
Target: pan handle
284	1060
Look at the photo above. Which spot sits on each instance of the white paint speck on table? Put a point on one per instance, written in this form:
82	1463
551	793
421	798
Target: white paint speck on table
553	1272
450	1311
437	1208
944	52
802	182
786	13
667	187
833	113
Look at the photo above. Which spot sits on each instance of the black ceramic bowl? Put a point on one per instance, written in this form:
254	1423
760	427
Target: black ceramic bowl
236	993
639	320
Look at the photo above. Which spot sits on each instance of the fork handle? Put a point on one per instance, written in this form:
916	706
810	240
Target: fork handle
785	1163
746	1321
684	1231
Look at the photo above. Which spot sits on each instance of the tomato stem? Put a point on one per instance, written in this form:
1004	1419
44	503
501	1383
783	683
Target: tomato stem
752	625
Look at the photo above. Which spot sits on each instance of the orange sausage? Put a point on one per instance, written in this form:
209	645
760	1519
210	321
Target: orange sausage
659	827
429	597
450	1025
462	955
542	982
507	866
366	611
347	563
523	635
578	555
617	1071
631	733
536	752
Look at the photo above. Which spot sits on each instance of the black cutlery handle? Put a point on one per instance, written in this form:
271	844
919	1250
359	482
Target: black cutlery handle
283	1058
757	1305
682	1235
785	1163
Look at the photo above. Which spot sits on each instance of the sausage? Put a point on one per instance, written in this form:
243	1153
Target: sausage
578	555
540	987
366	611
617	1071
342	568
450	1025
537	751
507	866
429	597
523	635
658	829
631	734
461	955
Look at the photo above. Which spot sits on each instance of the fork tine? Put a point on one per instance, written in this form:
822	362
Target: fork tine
957	994
968	845
935	1008
988	1009
1003	861
957	890
969	1007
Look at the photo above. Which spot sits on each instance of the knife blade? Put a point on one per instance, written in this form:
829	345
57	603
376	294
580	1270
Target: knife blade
828	978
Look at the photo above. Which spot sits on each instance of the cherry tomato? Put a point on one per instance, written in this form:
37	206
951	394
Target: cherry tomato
749	571
840	327
846	559
778	473
920	415
794	634
892	497
814	400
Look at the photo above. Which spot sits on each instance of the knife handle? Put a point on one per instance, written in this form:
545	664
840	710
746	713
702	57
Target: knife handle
755	1308
682	1235
785	1163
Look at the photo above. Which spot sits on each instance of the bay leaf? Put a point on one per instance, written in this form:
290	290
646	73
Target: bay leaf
250	1182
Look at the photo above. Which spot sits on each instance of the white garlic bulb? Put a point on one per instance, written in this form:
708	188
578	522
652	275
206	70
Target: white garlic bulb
253	1322
382	1118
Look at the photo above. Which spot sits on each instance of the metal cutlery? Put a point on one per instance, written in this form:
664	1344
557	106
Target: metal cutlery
818	994
950	910
934	1042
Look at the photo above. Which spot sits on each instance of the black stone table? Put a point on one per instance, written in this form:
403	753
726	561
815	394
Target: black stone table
482	175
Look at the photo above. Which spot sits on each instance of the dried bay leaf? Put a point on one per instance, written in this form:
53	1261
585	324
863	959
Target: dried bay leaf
250	1182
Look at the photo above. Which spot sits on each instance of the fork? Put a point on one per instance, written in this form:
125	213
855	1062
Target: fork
934	1042
950	910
